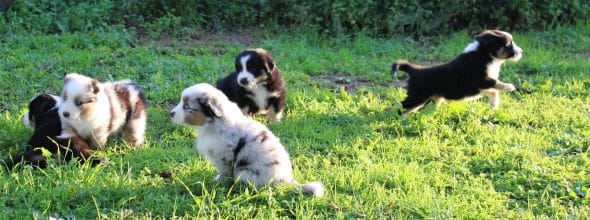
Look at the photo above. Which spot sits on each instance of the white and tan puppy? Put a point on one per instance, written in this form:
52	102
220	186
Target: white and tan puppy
95	110
238	146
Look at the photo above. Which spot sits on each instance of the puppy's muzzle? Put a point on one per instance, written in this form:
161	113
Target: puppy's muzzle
172	113
244	82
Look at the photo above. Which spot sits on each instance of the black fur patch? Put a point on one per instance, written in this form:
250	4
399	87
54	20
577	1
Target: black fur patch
242	163
239	147
206	109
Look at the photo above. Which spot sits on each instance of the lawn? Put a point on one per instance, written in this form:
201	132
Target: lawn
528	159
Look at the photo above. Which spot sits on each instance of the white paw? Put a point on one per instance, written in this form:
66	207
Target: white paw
509	87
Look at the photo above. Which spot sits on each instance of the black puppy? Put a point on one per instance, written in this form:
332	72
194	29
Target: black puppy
473	73
44	118
256	86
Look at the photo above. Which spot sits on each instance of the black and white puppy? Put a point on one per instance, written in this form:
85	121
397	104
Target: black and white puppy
257	85
95	110
238	146
473	73
44	118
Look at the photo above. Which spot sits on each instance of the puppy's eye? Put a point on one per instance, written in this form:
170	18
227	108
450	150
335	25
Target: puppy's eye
249	66
79	103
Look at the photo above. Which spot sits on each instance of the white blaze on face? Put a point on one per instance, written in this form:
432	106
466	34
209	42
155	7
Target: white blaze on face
471	47
73	89
178	112
244	74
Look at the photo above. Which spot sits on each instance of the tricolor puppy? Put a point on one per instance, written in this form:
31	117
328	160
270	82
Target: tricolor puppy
43	117
256	86
473	73
95	110
238	146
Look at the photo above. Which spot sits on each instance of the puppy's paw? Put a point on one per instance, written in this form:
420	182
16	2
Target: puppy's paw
509	87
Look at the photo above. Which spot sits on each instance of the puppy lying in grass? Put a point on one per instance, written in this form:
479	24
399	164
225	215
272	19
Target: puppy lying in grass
43	117
473	73
238	146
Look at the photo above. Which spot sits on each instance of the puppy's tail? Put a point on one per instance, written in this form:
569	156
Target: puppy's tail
403	66
315	189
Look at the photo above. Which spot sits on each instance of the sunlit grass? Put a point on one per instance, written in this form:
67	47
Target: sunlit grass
528	159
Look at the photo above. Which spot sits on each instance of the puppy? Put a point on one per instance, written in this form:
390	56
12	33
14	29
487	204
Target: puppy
95	110
256	86
238	146
43	117
473	73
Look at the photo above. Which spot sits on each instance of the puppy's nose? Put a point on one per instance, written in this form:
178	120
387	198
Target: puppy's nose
244	81
172	114
66	114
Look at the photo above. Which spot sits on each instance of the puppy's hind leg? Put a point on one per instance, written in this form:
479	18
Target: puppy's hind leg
134	130
413	104
275	110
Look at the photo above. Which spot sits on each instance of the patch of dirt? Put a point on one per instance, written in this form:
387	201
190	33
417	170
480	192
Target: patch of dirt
352	84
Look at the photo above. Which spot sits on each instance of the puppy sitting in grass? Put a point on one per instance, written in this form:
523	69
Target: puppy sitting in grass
43	117
95	110
473	73
238	146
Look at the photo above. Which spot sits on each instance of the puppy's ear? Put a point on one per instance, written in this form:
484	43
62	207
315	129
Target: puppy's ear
68	77
210	107
490	40
269	64
94	86
41	105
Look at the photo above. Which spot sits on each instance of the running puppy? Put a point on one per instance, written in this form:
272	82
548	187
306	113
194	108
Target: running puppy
473	73
256	86
43	117
95	110
238	146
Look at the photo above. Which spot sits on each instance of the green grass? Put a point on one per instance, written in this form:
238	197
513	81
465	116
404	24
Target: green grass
529	159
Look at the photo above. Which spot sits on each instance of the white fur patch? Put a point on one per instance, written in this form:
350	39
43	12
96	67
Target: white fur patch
471	47
244	74
260	96
493	68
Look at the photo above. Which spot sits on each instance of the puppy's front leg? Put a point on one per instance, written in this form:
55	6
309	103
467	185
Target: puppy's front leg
504	86
224	171
494	97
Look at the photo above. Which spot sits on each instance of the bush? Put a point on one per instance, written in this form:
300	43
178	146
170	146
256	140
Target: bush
48	16
373	17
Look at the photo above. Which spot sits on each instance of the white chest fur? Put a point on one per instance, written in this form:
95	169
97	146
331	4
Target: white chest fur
260	96
493	68
213	147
